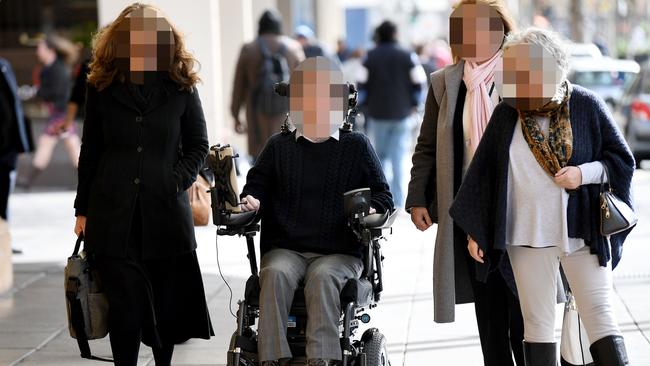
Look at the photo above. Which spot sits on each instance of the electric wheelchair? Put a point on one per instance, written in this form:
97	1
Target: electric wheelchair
357	296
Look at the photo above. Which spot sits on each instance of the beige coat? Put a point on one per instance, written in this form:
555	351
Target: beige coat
259	127
432	186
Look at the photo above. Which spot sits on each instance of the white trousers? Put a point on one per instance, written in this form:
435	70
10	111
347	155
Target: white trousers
535	271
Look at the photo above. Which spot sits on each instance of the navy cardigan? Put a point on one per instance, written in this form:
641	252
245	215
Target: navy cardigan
480	205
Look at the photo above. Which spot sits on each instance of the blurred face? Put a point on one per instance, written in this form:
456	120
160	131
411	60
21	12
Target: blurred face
531	76
475	32
317	98
145	42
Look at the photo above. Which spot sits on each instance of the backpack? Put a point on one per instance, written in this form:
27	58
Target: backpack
273	69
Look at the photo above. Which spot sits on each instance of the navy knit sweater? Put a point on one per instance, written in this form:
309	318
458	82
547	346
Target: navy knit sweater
300	186
480	205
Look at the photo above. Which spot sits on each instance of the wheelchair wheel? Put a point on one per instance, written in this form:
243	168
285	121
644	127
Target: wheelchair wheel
245	359
374	346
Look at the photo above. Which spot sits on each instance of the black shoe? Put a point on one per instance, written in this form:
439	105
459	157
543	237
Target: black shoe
609	351
16	251
540	354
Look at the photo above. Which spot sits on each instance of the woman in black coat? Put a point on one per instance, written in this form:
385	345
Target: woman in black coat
144	141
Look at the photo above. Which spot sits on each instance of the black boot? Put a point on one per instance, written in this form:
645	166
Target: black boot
163	356
125	347
540	354
609	351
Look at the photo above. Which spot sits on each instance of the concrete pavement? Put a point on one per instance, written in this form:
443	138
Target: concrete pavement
32	316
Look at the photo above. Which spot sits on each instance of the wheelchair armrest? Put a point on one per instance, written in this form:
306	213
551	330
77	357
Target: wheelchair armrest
380	220
239	220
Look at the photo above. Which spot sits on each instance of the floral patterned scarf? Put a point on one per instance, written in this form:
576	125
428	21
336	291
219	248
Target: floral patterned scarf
554	152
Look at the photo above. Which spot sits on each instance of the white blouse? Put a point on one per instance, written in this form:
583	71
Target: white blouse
537	207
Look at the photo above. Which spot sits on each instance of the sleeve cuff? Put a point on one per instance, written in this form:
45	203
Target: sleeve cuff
591	172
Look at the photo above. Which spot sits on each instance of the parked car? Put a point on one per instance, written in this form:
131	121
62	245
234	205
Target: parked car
635	108
606	76
583	50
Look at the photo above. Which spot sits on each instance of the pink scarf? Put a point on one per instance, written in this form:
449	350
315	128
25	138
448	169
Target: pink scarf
478	78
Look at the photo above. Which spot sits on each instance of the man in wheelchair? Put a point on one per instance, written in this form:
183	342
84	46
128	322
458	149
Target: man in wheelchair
297	186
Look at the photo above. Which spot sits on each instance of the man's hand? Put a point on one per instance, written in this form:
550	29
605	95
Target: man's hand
420	217
239	126
80	225
569	177
474	250
250	203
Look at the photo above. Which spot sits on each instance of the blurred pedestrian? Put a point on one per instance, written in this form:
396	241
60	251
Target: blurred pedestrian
343	52
56	54
144	141
14	135
429	64
533	191
353	68
459	103
391	88
263	62
77	97
307	39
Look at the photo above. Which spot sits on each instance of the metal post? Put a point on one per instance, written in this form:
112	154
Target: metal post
251	253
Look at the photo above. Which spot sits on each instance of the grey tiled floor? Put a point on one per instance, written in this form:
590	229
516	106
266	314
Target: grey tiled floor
33	325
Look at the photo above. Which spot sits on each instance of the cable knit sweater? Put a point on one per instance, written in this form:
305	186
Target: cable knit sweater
300	185
481	203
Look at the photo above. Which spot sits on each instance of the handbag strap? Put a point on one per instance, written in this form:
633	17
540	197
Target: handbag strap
77	321
77	245
604	179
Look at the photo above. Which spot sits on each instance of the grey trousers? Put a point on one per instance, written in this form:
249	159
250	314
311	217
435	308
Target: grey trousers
281	272
535	271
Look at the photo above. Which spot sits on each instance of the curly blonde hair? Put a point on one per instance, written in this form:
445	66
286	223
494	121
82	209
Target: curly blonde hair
103	66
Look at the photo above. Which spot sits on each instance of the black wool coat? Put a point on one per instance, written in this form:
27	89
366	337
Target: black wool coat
149	153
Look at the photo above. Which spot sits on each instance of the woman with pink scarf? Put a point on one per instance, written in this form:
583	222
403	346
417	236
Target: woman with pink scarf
459	104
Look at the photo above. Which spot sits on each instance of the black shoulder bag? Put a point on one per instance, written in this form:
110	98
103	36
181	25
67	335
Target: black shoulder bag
615	215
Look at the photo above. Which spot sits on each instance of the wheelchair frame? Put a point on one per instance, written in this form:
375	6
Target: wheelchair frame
243	346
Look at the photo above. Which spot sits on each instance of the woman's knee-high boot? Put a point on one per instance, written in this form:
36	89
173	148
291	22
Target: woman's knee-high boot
609	351
540	354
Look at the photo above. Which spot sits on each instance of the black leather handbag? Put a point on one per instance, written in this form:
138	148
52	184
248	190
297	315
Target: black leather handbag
615	215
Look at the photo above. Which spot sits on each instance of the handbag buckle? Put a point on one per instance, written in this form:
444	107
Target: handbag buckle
605	207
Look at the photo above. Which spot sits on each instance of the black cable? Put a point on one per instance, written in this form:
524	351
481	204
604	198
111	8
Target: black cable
582	349
224	279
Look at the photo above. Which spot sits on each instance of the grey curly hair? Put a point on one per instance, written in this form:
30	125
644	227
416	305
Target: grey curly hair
546	39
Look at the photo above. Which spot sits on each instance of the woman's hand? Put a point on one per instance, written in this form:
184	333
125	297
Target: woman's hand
420	217
239	127
250	203
80	225
474	250
569	177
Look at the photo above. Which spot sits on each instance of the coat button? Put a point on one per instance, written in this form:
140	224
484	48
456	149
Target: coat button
136	181
138	119
139	149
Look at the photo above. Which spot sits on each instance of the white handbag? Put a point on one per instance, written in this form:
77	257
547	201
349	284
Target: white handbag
574	349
